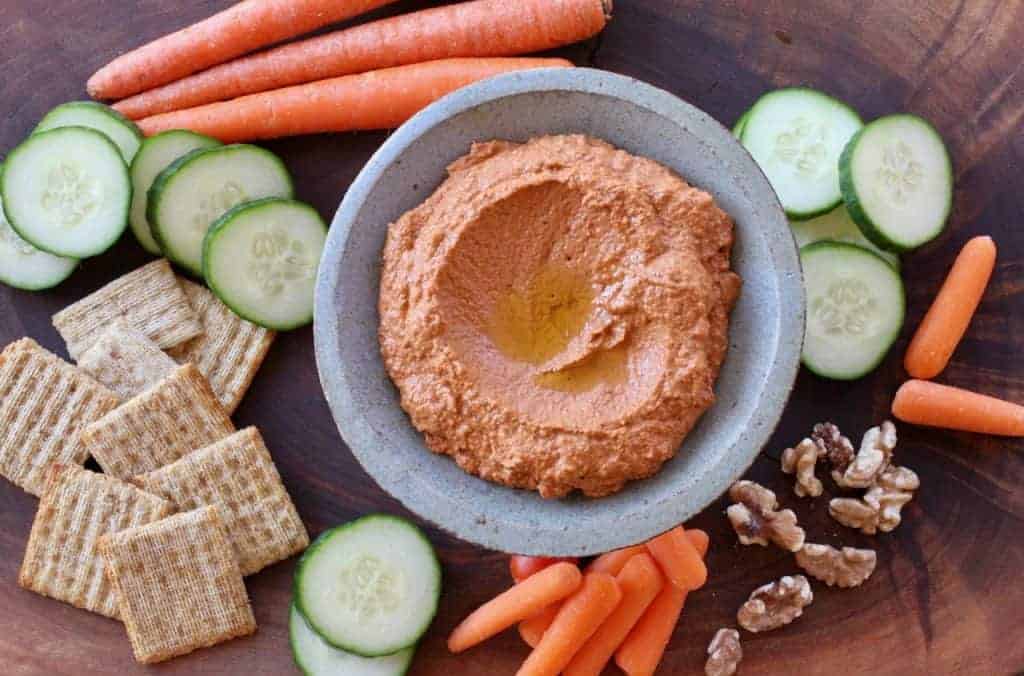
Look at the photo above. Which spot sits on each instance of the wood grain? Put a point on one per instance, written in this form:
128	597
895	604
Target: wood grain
946	598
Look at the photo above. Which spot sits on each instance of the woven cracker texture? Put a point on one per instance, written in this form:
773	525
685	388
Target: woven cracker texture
126	361
77	508
44	405
178	585
237	474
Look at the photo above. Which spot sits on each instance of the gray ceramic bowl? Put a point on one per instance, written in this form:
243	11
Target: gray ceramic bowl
765	335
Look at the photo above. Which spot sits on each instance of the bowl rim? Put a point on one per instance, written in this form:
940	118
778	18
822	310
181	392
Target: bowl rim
440	510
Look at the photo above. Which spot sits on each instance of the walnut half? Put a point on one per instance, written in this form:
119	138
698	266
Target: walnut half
838	448
872	459
724	653
775	604
801	460
880	508
848	567
756	519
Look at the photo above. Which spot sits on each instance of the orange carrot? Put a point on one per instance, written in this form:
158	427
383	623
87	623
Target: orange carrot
640	582
679	559
523	600
237	30
641	652
612	562
522	567
381	99
947	319
922	402
578	619
468	29
532	628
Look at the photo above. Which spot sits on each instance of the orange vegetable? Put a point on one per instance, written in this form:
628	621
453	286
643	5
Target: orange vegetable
381	99
612	562
522	567
237	30
525	599
641	652
947	319
580	616
468	29
533	629
640	582
679	559
922	402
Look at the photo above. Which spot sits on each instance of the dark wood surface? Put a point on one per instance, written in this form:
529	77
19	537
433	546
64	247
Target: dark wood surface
947	597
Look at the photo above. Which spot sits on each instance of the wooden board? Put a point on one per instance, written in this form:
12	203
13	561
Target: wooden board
946	598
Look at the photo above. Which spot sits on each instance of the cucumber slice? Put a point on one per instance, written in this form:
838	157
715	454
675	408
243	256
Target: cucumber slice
796	136
737	129
155	155
837	226
315	657
197	189
260	259
369	587
103	119
855	309
25	267
897	182
66	191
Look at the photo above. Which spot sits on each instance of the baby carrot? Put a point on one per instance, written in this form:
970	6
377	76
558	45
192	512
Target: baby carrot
641	652
612	562
237	30
381	99
640	582
578	619
527	598
468	29
947	319
679	559
921	402
522	567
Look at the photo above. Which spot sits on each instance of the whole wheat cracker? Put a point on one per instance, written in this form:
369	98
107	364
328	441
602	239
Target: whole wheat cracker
77	508
178	585
148	298
237	474
44	404
176	416
126	361
230	350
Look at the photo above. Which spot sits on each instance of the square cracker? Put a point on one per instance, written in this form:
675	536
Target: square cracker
126	361
176	416
178	585
148	298
238	474
44	404
230	350
77	508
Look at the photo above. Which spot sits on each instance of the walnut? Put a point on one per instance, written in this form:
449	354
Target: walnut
838	448
802	459
846	568
724	653
775	604
756	519
879	509
872	459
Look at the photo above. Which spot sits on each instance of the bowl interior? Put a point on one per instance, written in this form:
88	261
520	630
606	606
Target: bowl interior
765	333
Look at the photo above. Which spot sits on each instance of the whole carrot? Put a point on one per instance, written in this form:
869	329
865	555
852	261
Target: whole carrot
640	582
523	600
578	619
468	29
922	402
381	99
237	30
947	319
641	652
679	559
